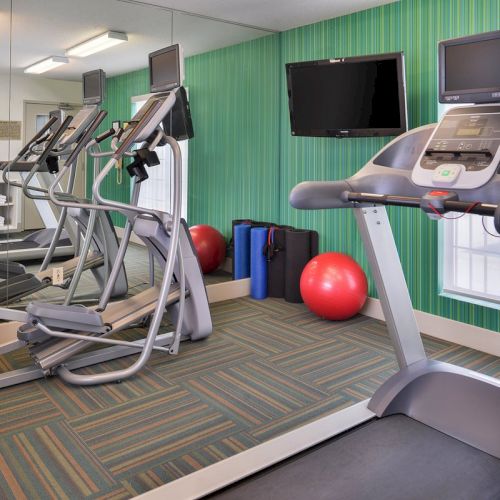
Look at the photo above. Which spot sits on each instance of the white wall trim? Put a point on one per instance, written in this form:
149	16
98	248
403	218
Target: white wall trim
232	469
474	337
228	290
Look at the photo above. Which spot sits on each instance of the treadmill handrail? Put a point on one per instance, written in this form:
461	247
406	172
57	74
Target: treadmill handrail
486	209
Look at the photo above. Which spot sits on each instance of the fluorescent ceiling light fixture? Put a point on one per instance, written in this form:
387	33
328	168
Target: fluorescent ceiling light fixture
96	44
46	65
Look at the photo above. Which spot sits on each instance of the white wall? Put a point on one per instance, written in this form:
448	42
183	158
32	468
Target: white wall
31	88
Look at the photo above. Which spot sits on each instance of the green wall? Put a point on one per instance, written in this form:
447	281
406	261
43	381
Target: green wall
234	156
415	27
243	160
119	90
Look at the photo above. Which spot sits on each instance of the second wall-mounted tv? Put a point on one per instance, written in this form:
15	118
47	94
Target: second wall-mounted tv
348	97
469	69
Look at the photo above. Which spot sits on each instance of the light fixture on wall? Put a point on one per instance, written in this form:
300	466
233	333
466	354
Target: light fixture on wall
46	65
96	44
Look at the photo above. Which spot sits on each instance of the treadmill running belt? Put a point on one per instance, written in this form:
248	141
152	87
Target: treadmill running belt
24	245
392	458
17	245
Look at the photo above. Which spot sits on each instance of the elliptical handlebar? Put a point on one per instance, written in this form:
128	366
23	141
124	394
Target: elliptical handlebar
38	138
43	156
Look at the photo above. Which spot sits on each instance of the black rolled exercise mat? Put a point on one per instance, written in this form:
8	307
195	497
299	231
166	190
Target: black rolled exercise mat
277	262
297	255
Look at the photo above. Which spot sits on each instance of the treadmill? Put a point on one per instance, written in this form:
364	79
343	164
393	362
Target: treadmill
431	431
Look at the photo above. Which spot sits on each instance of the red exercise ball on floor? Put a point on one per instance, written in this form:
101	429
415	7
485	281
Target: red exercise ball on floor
333	286
210	246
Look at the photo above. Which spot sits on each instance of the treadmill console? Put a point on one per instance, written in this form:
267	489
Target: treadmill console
464	150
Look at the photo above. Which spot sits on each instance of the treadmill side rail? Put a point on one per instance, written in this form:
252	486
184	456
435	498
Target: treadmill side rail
459	402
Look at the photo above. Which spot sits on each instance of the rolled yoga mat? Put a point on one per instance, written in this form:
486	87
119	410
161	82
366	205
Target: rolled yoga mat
258	263
241	252
237	222
276	261
297	255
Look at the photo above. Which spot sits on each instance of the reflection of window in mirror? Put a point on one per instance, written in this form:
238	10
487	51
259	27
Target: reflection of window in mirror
155	192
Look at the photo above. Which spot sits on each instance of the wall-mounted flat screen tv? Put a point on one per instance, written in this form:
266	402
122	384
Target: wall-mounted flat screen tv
348	97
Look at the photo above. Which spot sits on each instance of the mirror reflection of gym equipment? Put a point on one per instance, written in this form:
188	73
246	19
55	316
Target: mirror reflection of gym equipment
249	251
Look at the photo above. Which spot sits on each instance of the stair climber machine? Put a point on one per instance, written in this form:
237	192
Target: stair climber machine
56	334
431	423
99	248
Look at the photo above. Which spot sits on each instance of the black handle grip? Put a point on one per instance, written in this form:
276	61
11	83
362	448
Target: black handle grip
105	135
42	139
41	133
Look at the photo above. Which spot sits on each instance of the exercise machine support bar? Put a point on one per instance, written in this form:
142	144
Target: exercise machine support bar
414	201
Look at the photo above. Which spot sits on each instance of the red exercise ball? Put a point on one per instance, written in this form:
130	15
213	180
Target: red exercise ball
333	286
210	246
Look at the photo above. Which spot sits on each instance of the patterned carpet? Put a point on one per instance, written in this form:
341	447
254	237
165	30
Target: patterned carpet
269	366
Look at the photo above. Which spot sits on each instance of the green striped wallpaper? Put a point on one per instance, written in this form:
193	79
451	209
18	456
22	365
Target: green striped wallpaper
243	160
234	156
415	27
119	90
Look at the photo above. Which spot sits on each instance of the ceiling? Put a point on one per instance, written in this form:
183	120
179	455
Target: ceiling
278	15
43	29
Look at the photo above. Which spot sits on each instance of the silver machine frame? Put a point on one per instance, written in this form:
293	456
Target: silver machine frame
168	240
460	402
96	227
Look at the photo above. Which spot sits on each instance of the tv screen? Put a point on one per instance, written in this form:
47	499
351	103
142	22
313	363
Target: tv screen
350	97
468	69
93	86
166	68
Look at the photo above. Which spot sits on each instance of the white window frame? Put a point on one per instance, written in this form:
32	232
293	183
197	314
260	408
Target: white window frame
469	260
165	169
462	236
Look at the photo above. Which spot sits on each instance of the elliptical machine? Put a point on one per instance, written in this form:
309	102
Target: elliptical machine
55	334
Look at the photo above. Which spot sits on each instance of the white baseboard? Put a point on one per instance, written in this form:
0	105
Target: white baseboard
481	339
228	290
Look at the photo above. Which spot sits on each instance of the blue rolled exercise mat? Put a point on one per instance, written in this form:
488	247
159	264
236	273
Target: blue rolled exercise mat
301	246
241	252
258	262
237	222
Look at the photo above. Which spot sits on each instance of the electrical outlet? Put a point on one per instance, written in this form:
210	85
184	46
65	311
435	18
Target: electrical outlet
58	275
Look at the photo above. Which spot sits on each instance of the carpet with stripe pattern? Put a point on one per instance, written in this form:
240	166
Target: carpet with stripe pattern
269	366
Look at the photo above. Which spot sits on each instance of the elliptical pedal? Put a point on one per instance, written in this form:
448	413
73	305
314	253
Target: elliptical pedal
58	316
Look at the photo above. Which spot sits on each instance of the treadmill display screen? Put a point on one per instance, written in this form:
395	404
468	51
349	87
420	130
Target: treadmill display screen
469	70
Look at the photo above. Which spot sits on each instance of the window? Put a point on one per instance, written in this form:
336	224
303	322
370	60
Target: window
470	259
469	256
155	192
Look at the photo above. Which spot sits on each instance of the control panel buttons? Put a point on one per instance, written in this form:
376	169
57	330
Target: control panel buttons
447	173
